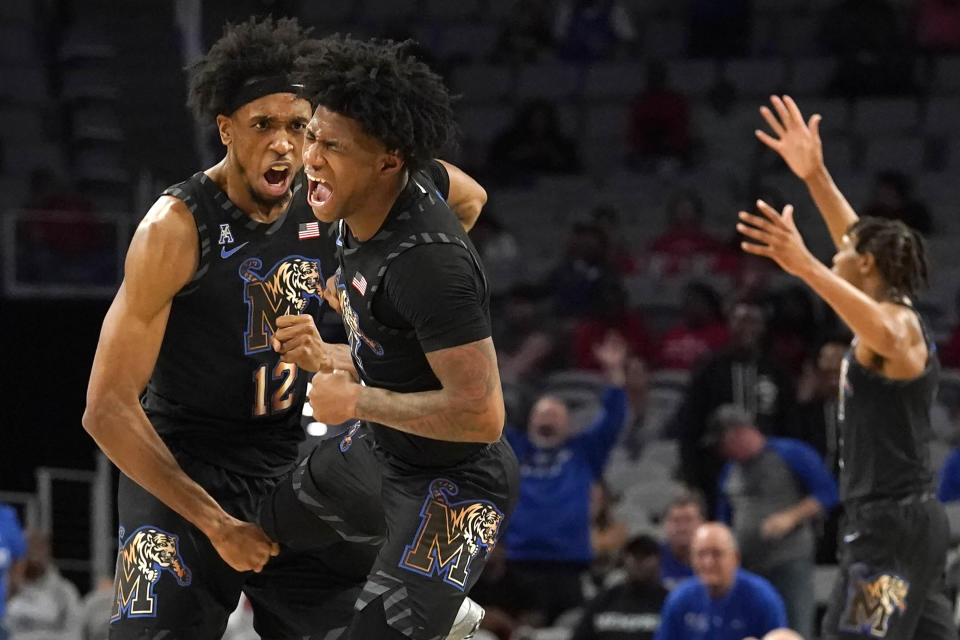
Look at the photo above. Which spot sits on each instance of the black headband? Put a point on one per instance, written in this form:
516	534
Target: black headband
260	86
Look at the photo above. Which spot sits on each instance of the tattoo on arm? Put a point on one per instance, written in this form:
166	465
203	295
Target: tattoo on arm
469	407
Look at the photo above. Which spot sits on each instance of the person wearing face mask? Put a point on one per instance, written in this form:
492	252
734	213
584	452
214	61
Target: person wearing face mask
548	540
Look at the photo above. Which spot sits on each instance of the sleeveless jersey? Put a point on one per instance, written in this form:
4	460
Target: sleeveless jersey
392	357
218	389
885	431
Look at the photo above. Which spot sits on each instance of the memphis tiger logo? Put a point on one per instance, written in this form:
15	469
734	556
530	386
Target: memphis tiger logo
451	535
141	562
286	288
872	602
351	322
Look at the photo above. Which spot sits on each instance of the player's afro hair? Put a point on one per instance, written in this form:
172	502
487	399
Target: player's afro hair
255	48
395	97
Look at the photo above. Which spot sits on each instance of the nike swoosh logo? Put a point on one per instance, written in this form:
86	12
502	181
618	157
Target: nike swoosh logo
850	537
226	254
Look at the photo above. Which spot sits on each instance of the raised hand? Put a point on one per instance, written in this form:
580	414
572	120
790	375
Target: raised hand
298	341
242	545
612	355
797	142
776	238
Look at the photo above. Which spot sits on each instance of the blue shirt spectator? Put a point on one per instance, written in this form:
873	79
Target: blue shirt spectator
681	520
751	608
949	489
672	570
723	601
547	544
13	547
551	521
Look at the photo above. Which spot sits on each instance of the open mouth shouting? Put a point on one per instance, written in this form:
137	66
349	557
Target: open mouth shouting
318	191
277	179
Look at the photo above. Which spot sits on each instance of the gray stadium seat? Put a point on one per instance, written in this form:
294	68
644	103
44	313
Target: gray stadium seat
904	153
757	77
549	80
466	40
482	124
17	44
941	116
483	83
442	10
692	77
810	76
947	78
611	80
873	116
665	38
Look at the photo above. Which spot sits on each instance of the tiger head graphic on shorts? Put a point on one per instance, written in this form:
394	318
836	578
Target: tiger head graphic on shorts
451	534
141	561
872	601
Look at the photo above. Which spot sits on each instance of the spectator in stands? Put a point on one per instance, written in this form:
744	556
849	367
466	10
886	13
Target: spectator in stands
526	341
13	548
948	489
584	272
723	601
660	123
949	352
533	144
608	313
772	490
702	329
607	217
684	242
938	25
96	609
816	424
607	534
868	39
527	35
637	431
43	604
893	198
717	29
817	396
683	517
589	30
548	539
794	326
630	610
742	373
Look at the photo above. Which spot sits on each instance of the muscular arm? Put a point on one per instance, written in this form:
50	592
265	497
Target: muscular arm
129	343
468	407
886	329
466	197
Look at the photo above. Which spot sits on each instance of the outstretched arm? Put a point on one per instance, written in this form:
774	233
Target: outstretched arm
884	328
129	343
798	143
466	197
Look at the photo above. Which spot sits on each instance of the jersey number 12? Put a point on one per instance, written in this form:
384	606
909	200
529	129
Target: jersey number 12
282	398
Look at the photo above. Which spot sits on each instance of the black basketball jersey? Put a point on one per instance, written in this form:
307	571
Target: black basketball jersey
218	389
391	357
885	431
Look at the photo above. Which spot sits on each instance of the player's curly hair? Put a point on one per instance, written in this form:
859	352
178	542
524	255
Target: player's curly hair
395	97
255	48
899	251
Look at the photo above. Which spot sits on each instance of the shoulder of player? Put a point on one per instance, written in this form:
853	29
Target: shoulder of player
429	259
167	235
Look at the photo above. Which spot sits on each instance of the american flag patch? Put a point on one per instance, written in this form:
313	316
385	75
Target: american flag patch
308	230
359	283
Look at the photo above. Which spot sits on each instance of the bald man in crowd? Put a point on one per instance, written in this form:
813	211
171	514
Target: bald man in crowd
722	601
